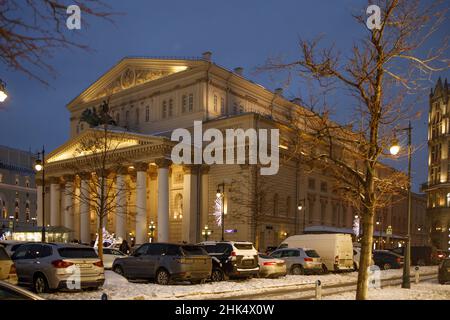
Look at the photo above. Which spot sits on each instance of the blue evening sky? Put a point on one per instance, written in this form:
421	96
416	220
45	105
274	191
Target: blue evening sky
238	32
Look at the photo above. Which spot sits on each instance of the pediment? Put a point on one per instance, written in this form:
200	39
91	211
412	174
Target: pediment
132	72
117	140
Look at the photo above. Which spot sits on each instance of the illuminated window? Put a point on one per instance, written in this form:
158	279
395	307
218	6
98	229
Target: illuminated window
215	103
448	199
170	107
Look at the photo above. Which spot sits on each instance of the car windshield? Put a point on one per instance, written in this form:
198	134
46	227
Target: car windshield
77	253
243	246
312	253
193	250
263	256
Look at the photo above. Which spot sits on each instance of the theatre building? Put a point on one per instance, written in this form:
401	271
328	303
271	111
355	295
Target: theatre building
148	99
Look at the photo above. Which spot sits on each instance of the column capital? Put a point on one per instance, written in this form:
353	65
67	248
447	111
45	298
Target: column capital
54	180
163	162
69	178
85	175
205	168
141	166
190	169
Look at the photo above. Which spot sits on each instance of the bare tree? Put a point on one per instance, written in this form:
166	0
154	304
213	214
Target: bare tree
31	30
383	67
98	156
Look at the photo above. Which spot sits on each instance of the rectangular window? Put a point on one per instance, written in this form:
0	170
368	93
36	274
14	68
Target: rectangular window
147	114
222	105
235	108
311	184
215	103
191	102
164	109
170	107
323	187
183	103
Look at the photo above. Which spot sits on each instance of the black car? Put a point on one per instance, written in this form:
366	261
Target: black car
444	271
232	259
420	255
385	259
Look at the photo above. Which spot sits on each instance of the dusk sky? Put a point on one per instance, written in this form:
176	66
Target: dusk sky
239	33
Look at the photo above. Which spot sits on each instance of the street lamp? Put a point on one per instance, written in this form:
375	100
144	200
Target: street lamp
39	167
206	232
152	229
221	194
3	93
302	206
395	148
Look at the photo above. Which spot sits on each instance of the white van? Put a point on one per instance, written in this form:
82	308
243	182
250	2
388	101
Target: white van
335	249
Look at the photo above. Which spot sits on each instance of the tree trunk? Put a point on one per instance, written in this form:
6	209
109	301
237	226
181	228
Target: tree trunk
366	254
100	238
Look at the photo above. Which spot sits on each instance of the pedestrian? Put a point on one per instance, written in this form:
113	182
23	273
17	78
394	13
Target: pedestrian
124	247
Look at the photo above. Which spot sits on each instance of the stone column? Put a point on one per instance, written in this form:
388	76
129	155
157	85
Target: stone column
163	199
39	202
55	202
85	229
68	203
121	201
190	205
204	198
141	202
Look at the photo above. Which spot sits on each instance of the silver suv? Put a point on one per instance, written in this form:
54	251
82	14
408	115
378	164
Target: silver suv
299	260
53	266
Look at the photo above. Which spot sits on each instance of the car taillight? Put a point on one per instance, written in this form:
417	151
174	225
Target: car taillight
399	260
233	253
98	264
61	264
271	263
308	259
12	270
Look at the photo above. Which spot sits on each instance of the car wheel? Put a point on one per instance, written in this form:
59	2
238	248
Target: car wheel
217	275
297	270
40	284
162	277
119	270
386	266
355	266
324	269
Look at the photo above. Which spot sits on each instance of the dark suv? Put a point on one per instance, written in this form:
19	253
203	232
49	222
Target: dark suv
232	259
165	262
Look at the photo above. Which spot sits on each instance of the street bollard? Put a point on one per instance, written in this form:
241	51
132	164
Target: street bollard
104	296
318	290
416	274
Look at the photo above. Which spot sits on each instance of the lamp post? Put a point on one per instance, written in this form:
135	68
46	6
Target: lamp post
152	229
3	93
221	194
206	232
395	148
302	206
40	166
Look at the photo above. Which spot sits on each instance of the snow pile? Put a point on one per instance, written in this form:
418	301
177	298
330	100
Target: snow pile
117	287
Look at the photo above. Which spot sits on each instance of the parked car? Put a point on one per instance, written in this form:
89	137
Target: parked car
166	262
444	271
9	291
420	255
110	255
7	267
53	266
300	260
335	249
11	245
270	267
357	257
386	259
232	259
439	256
270	249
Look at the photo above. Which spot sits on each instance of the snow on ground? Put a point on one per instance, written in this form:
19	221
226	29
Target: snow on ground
429	290
117	287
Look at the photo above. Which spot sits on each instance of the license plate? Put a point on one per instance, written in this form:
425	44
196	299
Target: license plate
247	262
83	265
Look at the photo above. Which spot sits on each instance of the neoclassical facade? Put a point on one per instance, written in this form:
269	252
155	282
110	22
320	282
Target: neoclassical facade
438	184
148	99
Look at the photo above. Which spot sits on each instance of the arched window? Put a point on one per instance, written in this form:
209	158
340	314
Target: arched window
178	207
27	211
147	113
